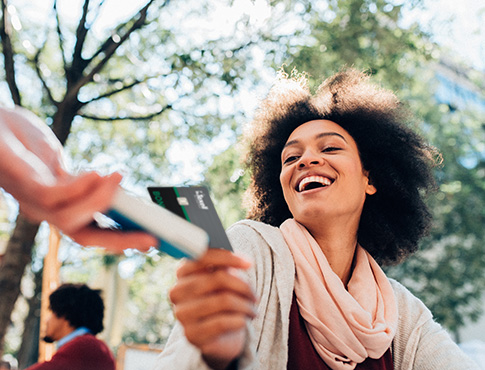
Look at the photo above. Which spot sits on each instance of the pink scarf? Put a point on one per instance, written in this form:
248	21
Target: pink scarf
345	325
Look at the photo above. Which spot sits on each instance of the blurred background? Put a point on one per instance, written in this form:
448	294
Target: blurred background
161	92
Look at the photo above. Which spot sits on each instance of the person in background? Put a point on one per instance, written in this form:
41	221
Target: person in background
76	317
338	185
32	170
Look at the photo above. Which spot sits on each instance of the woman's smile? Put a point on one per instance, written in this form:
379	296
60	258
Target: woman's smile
311	182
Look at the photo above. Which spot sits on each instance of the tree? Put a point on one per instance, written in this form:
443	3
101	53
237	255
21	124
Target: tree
79	72
140	85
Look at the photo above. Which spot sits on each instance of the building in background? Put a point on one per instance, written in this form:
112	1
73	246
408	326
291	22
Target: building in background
456	89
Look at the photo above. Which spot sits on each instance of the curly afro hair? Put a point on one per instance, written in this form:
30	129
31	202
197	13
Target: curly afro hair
398	160
79	305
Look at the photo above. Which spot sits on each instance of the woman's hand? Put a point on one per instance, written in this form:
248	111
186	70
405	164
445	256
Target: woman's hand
213	303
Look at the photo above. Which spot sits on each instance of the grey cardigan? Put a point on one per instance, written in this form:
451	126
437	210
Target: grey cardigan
420	343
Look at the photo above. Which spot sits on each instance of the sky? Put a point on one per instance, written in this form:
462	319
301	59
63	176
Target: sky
465	35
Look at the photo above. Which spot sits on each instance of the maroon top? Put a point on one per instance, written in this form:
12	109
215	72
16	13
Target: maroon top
82	353
302	354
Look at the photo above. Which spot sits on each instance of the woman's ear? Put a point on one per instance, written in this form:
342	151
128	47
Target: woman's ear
370	189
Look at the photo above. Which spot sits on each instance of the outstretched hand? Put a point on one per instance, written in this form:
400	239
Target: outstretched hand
33	172
213	303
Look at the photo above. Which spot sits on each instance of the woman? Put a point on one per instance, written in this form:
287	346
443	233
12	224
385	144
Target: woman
338	181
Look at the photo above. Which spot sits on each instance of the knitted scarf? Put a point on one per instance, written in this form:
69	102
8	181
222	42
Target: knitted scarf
345	325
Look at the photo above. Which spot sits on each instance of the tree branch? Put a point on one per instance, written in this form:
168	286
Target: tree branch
108	49
41	78
109	42
60	36
131	118
116	91
78	63
81	33
96	13
8	53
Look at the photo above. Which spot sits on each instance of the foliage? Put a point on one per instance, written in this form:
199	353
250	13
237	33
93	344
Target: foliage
227	181
149	317
448	273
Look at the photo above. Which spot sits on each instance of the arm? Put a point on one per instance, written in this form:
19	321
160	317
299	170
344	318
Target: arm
420	342
266	336
436	350
33	172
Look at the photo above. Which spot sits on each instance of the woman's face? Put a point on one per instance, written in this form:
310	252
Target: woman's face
322	175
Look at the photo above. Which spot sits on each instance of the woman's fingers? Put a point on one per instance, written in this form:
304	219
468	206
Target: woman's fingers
210	329
212	305
208	283
212	260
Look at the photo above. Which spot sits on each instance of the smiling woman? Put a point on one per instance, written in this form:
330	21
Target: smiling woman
338	186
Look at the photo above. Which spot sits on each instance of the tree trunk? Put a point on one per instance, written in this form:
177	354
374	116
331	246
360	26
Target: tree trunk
62	119
17	256
28	353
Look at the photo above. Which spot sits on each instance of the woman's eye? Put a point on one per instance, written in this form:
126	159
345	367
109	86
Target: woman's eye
290	159
330	149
